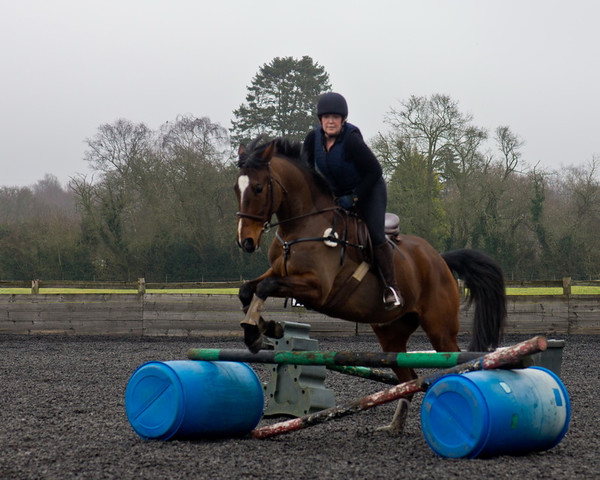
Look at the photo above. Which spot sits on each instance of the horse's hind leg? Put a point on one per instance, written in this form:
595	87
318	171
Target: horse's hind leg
442	334
393	337
441	324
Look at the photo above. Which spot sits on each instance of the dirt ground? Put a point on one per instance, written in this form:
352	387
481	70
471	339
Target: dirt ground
62	415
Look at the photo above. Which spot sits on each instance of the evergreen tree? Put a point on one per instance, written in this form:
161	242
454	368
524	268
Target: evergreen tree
281	100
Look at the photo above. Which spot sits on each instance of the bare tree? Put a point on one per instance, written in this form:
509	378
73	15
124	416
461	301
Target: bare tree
117	146
509	145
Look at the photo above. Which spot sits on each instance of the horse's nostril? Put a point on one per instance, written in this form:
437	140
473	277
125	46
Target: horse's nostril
248	245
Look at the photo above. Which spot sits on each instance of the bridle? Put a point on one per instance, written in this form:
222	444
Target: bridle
268	206
267	225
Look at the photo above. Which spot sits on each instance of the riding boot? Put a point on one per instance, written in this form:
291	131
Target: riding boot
384	258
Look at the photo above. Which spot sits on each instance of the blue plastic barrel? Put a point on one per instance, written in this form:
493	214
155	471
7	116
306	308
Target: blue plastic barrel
495	412
193	399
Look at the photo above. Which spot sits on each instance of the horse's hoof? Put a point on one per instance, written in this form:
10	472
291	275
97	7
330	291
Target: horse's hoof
252	337
391	430
274	329
255	346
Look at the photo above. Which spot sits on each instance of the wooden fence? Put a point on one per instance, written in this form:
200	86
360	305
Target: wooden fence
194	314
140	285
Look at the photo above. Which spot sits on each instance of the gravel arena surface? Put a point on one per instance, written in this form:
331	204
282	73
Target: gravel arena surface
62	415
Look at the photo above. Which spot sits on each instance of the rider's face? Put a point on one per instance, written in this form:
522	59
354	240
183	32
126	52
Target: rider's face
332	124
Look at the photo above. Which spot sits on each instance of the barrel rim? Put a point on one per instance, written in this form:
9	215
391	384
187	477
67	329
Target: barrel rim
169	384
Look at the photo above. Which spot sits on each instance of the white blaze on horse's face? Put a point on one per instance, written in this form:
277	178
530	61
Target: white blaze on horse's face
243	183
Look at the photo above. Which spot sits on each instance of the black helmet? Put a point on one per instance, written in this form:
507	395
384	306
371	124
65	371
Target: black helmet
332	103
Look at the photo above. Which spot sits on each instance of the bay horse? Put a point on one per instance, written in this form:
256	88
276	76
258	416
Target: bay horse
319	258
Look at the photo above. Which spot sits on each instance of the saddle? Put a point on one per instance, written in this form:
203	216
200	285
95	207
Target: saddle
391	230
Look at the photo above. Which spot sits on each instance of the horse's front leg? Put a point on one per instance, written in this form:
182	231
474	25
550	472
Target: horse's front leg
269	286
255	326
247	290
253	323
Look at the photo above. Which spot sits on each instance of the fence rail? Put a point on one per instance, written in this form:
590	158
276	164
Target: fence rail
188	314
197	314
141	286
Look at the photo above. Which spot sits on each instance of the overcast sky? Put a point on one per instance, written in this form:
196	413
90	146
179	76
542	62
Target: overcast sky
69	66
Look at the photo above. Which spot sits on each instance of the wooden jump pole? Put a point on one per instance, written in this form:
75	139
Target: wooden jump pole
368	373
363	359
501	357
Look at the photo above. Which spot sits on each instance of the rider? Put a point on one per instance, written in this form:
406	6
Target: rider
337	151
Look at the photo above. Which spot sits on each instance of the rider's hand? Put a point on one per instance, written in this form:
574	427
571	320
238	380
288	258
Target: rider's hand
346	201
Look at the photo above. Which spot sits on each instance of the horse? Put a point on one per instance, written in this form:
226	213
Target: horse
319	256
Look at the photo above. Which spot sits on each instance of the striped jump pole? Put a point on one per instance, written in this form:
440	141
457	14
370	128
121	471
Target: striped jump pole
362	359
501	357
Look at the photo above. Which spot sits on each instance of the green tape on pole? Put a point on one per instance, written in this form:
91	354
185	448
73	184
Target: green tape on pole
427	360
208	354
368	359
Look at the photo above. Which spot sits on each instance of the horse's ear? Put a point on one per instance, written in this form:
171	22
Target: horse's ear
241	149
269	151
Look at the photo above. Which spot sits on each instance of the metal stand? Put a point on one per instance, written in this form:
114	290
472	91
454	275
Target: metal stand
551	358
296	390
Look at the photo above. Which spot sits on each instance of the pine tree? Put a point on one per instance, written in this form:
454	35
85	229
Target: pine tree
281	100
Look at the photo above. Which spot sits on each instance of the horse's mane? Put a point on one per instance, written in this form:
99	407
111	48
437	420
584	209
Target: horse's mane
252	157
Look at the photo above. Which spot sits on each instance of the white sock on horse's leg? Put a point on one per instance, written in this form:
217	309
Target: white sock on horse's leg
254	311
396	426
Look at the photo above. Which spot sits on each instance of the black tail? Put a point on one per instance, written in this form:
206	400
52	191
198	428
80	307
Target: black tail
485	281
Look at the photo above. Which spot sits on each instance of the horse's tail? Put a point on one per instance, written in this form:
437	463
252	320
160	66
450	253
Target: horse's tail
485	281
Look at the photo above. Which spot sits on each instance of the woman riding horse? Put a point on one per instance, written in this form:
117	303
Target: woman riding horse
317	257
337	151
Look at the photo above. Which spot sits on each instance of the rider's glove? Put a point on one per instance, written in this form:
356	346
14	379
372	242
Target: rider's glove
346	201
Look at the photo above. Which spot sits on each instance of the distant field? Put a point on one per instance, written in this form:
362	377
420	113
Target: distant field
575	290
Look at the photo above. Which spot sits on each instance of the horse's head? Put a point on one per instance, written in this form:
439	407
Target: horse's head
254	191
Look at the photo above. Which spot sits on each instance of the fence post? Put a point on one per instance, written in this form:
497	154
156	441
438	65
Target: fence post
141	286
35	287
566	285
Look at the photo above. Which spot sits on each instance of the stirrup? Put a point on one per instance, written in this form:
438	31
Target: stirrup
397	301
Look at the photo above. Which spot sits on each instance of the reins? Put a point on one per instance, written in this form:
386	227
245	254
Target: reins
287	245
304	215
267	225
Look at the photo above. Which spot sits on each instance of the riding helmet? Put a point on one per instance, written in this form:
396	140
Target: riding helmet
332	103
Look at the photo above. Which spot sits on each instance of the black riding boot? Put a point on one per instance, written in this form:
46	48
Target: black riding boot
384	258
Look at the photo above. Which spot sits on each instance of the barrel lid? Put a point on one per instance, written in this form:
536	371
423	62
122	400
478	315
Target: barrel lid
455	417
154	401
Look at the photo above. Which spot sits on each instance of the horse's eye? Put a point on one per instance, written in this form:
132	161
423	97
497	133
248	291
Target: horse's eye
258	188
